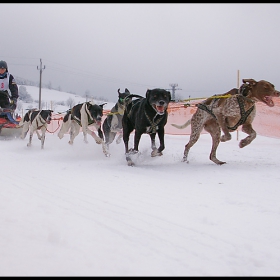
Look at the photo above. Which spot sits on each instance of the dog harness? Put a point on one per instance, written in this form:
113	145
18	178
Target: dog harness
39	121
117	111
244	114
90	119
154	125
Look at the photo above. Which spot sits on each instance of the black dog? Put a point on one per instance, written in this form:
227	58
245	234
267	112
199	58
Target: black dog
35	120
145	115
82	116
113	122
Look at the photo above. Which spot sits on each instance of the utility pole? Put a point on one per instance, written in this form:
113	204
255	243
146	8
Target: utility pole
40	86
173	89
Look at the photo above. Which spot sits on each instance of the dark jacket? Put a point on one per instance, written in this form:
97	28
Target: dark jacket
12	86
4	95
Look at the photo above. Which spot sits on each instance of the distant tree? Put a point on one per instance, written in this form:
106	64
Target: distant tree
50	85
24	95
43	105
19	105
70	102
103	99
87	94
60	103
21	81
100	98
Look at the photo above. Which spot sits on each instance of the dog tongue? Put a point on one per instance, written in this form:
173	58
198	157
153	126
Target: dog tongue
160	109
268	100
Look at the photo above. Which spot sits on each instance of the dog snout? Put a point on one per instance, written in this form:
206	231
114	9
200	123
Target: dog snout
49	118
161	103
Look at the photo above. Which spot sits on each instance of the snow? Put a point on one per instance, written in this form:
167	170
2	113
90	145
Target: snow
52	99
71	211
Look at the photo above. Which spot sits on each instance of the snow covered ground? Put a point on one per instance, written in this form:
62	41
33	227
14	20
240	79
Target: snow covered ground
71	211
52	99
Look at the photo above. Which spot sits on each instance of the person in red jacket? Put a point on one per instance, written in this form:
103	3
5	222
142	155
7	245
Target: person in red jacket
8	88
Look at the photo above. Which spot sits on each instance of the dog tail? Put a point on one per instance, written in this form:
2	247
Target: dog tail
67	115
26	117
128	99
183	125
20	122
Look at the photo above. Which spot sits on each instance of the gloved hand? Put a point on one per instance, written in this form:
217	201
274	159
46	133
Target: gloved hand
13	103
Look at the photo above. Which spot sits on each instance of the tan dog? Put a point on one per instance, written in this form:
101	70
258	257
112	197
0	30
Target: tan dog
227	112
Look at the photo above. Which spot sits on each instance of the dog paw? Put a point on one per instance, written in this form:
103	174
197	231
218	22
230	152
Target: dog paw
243	143
98	140
60	136
184	159
225	138
106	153
128	159
132	152
155	153
130	163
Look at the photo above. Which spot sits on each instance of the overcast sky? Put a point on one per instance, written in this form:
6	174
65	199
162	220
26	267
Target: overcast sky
102	47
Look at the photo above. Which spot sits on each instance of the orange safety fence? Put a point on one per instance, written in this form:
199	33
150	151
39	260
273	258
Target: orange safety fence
266	122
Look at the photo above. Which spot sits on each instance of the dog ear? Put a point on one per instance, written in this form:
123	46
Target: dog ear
127	91
169	95
148	93
101	105
252	82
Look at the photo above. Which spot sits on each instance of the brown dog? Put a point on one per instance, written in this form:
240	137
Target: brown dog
227	112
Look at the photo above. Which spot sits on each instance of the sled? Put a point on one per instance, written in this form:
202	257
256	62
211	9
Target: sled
9	125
